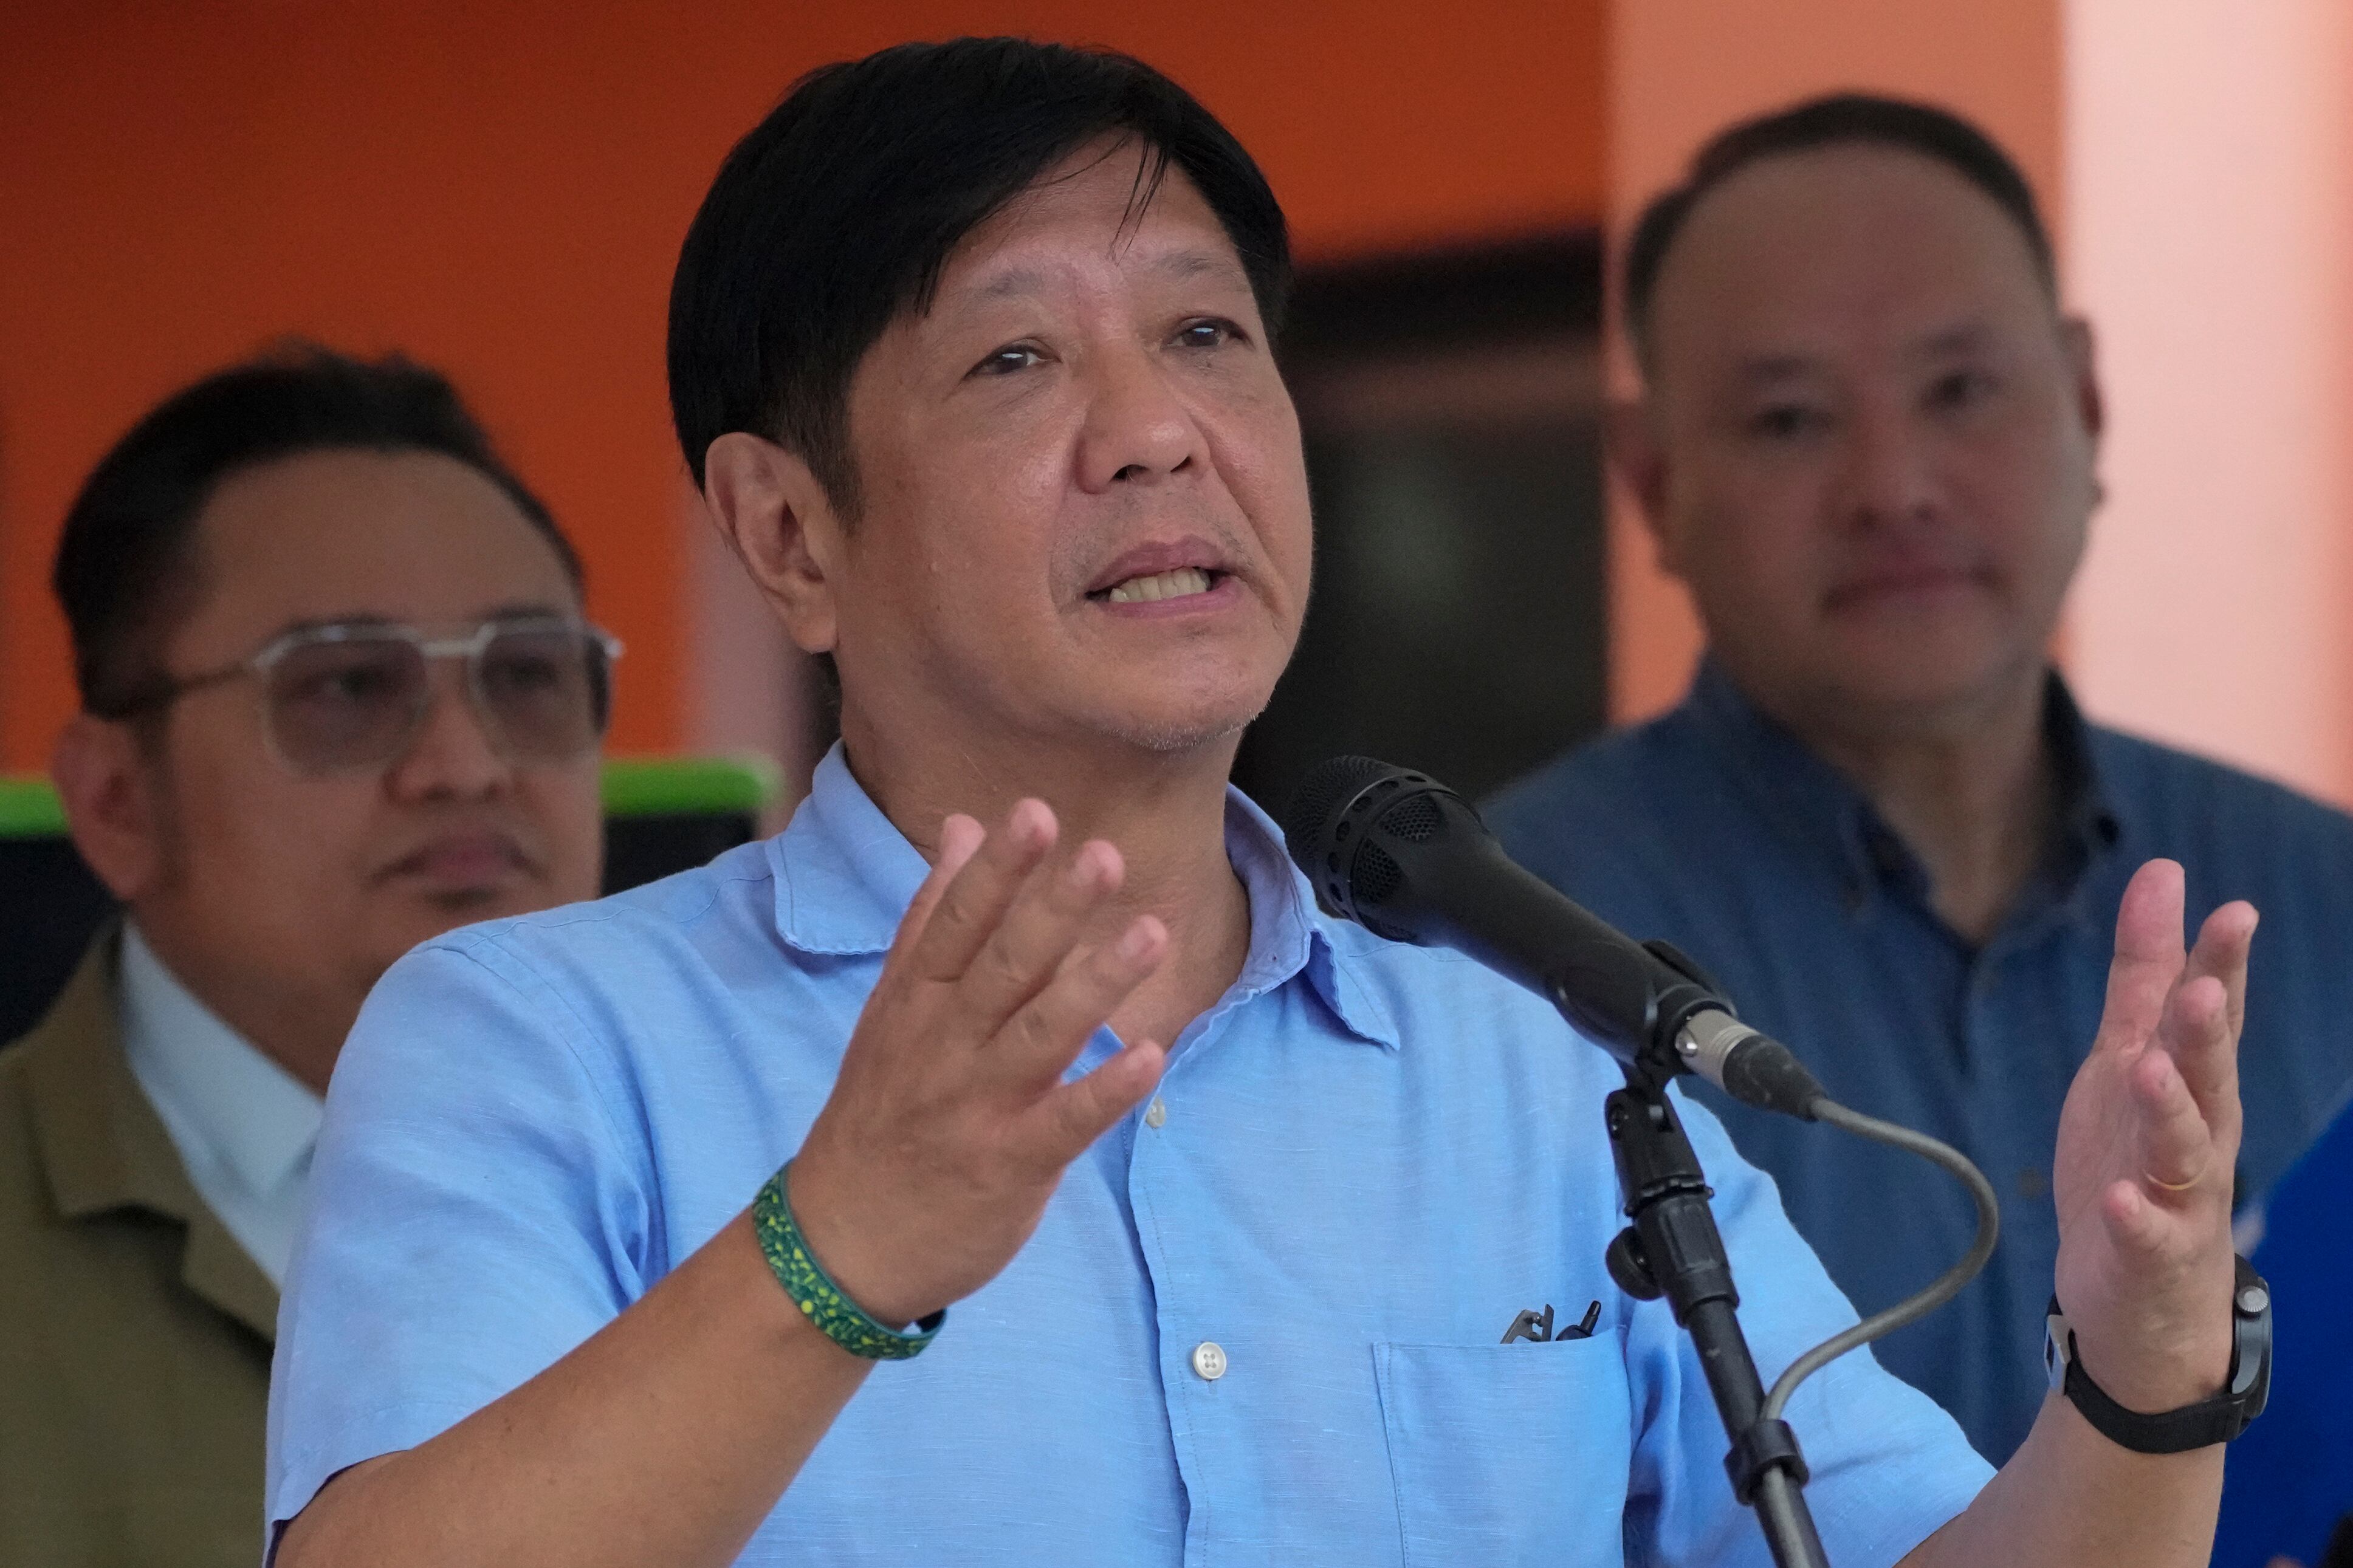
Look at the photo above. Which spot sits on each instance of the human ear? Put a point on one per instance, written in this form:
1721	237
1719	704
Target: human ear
1630	444
109	790
2076	348
781	524
2076	353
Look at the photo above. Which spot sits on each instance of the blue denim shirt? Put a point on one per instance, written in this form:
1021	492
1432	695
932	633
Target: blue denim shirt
1370	1159
1714	828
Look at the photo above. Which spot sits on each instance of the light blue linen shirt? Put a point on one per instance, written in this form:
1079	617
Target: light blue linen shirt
1368	1159
245	1127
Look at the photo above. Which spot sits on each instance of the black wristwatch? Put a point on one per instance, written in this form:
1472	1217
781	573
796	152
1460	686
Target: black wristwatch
2199	1425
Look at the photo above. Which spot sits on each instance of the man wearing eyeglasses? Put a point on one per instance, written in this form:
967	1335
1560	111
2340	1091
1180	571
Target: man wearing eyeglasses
337	698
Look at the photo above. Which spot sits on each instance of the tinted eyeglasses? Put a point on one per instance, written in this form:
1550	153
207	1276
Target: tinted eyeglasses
355	695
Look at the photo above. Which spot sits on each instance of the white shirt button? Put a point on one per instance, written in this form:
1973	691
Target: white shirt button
1155	1113
1210	1359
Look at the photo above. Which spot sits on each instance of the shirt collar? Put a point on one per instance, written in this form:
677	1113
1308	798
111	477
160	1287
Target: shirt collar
1809	802
1818	808
2088	819
845	876
210	1085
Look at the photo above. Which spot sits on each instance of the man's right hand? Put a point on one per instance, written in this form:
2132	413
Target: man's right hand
948	1128
949	1125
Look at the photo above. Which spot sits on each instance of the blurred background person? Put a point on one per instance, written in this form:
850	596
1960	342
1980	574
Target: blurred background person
1867	444
337	697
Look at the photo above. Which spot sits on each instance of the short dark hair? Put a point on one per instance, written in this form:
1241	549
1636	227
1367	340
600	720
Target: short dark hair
841	209
123	572
1844	118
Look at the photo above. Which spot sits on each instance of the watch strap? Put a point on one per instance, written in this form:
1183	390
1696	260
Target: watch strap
2245	1389
2199	1425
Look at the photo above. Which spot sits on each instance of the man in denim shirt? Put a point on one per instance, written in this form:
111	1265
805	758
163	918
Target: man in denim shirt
1867	444
1219	1208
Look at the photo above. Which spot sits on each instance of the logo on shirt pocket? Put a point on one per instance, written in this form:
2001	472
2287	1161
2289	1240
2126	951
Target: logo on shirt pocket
1481	1438
1530	1325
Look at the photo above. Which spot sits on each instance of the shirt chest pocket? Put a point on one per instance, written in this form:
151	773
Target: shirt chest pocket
1509	1454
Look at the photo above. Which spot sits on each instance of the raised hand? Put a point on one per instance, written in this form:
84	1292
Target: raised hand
2147	1145
949	1125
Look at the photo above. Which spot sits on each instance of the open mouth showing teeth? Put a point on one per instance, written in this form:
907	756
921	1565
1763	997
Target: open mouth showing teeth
1177	584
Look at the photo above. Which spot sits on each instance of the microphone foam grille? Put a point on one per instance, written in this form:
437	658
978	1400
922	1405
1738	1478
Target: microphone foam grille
1414	819
1327	786
1376	876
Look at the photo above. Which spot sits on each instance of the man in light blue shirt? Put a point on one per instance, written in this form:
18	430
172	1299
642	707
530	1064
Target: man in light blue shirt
518	1104
1209	1215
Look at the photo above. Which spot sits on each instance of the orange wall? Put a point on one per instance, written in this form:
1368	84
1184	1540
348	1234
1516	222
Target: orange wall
500	188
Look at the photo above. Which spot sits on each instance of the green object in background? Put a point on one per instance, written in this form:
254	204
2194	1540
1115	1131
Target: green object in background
633	787
29	809
690	786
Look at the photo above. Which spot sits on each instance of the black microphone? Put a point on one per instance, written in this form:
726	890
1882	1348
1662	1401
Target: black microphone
1407	858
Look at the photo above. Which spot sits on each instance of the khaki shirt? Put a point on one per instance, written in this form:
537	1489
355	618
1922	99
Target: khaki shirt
135	1332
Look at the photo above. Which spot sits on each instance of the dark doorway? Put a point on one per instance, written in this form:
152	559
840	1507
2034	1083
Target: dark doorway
1451	405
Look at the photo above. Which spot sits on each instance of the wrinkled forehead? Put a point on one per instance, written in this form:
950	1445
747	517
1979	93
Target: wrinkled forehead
1115	206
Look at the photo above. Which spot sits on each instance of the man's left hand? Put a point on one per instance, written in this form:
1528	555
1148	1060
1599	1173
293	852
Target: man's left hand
2146	1146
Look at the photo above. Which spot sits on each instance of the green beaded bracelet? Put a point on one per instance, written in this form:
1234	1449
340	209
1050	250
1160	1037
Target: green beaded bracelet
813	1290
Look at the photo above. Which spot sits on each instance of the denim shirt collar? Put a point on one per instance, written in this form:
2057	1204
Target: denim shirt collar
845	877
1822	812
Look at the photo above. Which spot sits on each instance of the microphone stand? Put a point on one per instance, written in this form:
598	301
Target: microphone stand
1673	1248
1402	855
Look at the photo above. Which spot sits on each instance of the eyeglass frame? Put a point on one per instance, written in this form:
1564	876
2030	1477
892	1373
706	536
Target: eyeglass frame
167	690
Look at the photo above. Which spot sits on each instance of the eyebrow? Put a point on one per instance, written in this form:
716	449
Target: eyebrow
1189	264
1954	340
1766	370
1012	284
